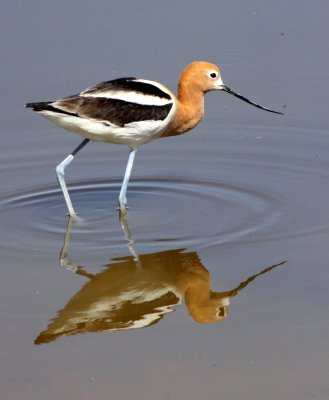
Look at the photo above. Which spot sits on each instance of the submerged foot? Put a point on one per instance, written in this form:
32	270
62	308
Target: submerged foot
75	217
123	209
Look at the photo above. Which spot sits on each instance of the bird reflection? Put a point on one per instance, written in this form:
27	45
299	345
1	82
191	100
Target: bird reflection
138	290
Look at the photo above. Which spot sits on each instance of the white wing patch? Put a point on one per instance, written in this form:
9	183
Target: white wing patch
132	96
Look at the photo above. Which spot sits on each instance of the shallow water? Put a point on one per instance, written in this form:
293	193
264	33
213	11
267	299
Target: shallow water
215	285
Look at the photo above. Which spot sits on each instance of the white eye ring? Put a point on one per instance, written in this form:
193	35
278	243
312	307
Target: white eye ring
213	75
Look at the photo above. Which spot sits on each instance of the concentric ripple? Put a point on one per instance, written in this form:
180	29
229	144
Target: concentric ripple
278	192
190	213
264	191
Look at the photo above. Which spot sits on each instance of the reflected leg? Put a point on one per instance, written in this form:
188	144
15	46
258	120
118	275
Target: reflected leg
65	260
130	242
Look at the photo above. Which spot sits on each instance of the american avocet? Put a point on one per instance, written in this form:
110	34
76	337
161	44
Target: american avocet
133	112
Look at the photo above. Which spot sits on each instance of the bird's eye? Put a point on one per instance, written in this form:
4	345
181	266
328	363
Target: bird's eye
221	312
213	75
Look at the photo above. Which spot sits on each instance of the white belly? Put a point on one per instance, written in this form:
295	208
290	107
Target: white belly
133	134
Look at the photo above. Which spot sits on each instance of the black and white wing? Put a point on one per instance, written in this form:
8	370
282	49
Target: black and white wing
118	102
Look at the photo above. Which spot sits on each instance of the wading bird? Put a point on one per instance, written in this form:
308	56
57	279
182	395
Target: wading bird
133	112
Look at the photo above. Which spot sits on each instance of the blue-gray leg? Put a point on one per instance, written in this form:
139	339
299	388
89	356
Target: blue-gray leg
123	191
60	171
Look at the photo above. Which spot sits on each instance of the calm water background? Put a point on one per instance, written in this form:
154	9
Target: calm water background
245	190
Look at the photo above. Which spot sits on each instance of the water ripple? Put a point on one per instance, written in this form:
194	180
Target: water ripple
193	213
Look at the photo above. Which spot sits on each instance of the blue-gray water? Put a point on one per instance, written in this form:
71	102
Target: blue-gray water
242	192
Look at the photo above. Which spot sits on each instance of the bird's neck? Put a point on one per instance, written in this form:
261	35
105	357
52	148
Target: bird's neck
190	109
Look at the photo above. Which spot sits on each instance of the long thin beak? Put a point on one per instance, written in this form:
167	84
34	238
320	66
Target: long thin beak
239	96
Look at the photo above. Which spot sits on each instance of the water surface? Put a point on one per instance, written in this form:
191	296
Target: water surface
216	283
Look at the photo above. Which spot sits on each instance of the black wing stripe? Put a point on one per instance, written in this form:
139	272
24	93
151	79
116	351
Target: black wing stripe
120	112
110	111
127	84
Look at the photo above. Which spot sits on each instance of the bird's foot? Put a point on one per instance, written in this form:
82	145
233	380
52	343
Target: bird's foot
123	209
75	217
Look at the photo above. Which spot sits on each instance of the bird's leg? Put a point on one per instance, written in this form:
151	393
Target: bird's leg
123	191
60	171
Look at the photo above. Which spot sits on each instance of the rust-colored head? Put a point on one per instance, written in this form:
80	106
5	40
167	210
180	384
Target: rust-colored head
202	75
206	311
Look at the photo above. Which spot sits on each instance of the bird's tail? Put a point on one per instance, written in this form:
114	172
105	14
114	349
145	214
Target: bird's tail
43	105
